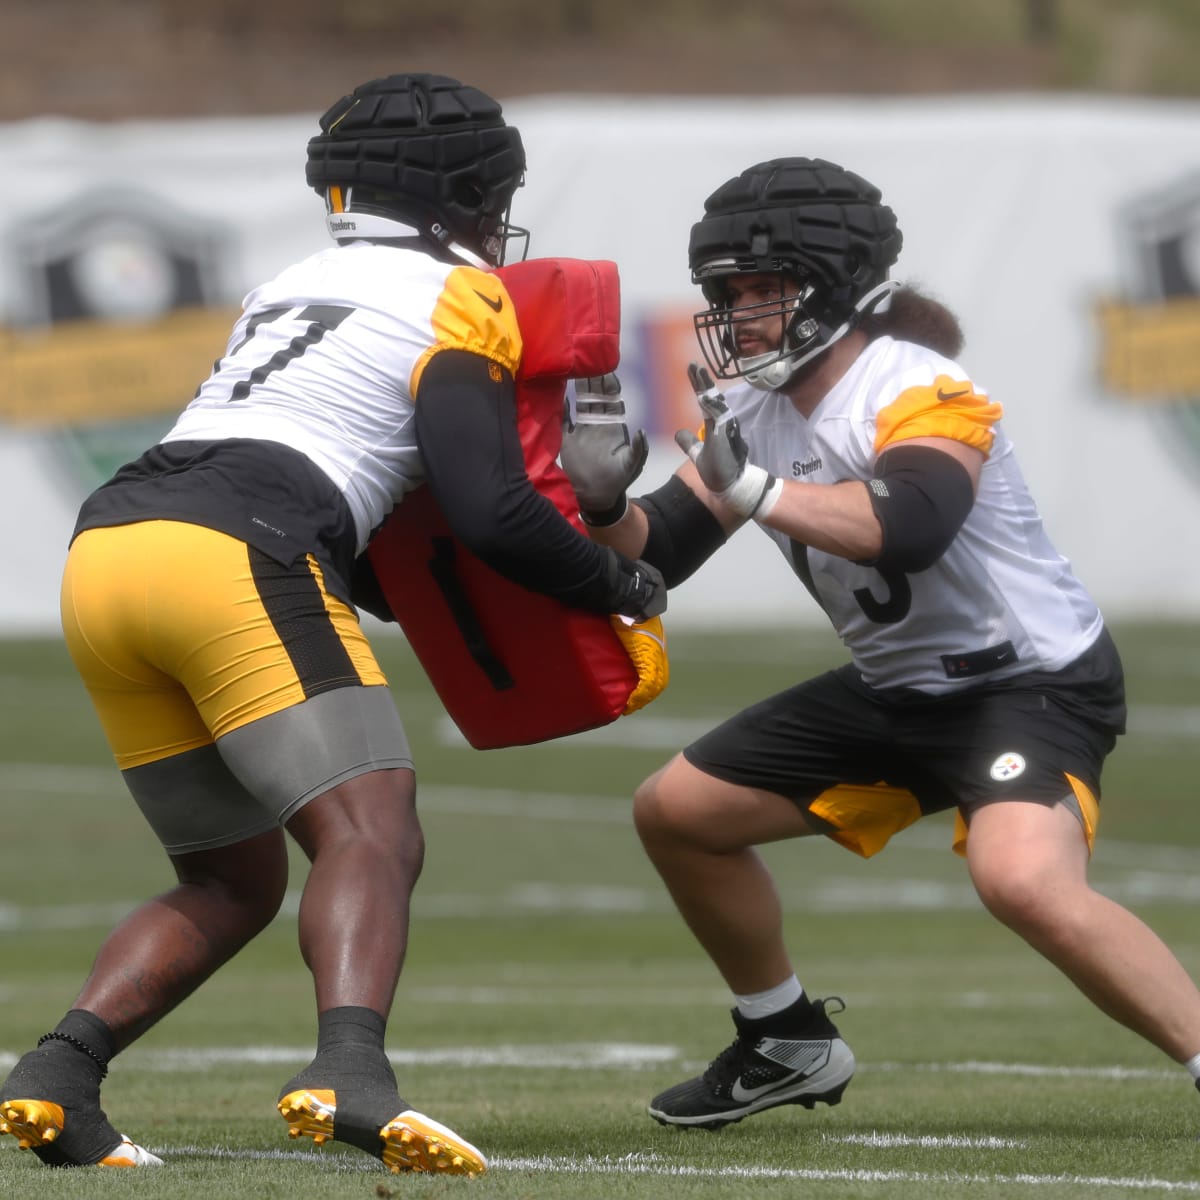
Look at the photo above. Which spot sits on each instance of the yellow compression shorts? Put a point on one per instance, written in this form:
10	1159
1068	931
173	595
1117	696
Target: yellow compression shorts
183	634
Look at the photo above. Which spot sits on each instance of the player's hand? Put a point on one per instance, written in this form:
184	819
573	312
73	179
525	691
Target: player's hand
722	456
646	645
636	589
599	456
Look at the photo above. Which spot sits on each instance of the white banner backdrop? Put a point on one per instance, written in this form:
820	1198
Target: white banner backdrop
1024	215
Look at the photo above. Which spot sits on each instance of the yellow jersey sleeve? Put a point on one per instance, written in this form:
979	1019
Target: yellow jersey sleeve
946	408
473	312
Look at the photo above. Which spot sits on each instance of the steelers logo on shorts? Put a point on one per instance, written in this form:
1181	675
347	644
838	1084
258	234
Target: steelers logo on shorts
1008	766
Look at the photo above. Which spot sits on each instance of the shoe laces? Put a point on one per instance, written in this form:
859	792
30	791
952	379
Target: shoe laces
730	1063
727	1066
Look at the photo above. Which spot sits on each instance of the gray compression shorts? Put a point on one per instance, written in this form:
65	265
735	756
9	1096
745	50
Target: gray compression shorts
255	778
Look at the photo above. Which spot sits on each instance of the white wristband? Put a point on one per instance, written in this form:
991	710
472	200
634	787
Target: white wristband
769	500
754	493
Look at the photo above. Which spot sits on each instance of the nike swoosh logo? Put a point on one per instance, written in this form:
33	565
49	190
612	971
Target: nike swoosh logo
743	1094
495	305
806	1057
949	395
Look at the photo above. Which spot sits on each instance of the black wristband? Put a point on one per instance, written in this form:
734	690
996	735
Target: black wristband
610	516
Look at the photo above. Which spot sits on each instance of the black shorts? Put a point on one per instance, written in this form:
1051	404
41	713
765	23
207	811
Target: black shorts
851	755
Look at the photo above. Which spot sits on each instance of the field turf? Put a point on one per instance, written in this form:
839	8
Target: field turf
550	988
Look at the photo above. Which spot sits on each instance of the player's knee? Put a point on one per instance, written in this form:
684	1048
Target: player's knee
661	809
389	849
247	880
1018	898
410	853
263	902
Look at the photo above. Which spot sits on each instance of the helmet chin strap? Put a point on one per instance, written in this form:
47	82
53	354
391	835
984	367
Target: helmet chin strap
769	372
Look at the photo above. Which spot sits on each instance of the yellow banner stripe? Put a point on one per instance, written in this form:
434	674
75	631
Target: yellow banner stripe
1151	352
92	372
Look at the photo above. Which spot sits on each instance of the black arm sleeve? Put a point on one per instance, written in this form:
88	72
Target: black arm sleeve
467	431
682	534
921	497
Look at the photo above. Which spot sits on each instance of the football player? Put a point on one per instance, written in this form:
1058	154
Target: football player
981	676
208	602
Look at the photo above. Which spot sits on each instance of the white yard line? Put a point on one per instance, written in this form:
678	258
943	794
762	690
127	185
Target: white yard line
645	731
885	1141
646	1164
626	1056
579	1056
533	899
1129	872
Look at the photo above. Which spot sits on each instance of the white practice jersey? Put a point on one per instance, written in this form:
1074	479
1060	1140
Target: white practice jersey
1001	600
326	359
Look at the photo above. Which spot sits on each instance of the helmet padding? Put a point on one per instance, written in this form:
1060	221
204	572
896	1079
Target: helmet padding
815	223
427	149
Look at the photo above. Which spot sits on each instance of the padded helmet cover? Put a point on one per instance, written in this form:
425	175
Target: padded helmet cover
439	148
804	216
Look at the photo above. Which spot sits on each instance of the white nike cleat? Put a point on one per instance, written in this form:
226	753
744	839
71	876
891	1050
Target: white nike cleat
129	1154
769	1064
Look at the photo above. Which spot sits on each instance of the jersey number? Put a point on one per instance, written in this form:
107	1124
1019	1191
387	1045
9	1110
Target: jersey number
318	319
895	605
892	609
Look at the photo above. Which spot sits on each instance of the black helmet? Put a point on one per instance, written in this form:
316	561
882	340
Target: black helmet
424	151
822	229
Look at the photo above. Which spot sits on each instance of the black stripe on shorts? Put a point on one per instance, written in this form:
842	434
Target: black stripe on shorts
293	600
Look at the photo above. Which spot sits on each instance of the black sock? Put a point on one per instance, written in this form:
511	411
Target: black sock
350	1026
351	1060
350	1055
781	1024
85	1030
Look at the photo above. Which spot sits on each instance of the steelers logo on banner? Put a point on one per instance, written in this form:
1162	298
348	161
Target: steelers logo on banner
124	305
1150	340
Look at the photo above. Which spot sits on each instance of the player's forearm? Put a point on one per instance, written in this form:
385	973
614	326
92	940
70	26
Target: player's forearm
837	518
627	536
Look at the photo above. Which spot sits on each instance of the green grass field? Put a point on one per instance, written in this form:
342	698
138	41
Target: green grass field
550	989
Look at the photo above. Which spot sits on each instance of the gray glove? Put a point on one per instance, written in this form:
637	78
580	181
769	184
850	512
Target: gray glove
722	457
598	455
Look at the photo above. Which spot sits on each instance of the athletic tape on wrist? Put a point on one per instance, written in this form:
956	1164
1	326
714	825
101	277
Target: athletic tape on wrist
750	491
770	498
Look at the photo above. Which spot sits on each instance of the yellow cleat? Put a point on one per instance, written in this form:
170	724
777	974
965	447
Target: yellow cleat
409	1142
415	1142
309	1114
31	1122
38	1123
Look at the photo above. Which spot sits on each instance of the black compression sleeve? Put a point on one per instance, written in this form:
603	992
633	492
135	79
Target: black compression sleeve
467	432
683	533
921	497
